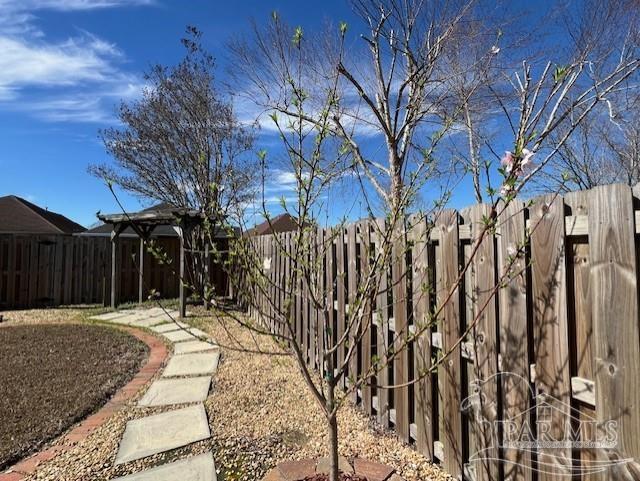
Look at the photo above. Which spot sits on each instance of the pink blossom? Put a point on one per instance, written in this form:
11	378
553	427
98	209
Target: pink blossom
527	157
506	190
507	160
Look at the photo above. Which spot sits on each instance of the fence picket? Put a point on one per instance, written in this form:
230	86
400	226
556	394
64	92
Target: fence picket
421	301
514	353
447	225
484	342
550	329
367	325
382	331
401	331
615	319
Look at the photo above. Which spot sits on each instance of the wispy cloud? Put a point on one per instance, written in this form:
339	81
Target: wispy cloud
75	79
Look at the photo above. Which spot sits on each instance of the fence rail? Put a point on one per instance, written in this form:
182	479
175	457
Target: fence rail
557	344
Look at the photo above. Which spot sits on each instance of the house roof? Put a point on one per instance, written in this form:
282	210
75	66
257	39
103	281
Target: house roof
19	216
281	223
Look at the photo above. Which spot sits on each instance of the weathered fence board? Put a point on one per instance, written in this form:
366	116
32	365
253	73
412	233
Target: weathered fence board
421	301
541	312
551	336
615	317
449	321
484	342
45	270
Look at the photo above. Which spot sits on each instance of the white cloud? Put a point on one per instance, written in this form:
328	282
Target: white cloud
75	79
74	61
67	5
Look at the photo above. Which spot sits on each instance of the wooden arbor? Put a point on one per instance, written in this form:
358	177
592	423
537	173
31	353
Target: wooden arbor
143	223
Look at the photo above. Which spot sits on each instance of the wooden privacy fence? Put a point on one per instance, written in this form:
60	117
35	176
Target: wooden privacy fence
554	353
46	270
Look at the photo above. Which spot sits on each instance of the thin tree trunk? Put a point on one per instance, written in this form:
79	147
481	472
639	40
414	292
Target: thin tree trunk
473	154
333	436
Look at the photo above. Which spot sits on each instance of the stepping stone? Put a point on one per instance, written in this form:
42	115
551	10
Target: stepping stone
182	335
196	468
165	392
157	310
162	432
130	319
193	346
109	316
148	322
170	326
192	364
166	317
199	333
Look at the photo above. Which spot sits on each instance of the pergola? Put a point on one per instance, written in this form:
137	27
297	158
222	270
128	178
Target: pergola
143	223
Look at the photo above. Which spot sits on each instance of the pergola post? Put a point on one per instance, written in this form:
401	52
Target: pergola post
206	281
180	230
115	236
141	272
146	233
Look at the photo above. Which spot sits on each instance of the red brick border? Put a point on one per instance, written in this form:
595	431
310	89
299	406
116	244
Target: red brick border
157	357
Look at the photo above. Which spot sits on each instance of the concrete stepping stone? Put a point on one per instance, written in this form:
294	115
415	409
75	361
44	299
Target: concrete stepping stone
156	310
184	335
149	322
195	468
166	315
165	392
192	364
130	319
162	432
193	346
109	316
199	332
168	327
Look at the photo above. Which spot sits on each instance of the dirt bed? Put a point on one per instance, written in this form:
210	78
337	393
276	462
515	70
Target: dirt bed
52	376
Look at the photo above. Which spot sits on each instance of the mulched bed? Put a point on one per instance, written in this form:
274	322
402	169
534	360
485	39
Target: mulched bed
53	376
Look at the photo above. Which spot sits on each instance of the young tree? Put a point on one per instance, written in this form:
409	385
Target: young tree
327	103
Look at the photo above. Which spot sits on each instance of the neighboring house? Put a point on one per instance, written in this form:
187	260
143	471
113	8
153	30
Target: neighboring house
281	223
19	216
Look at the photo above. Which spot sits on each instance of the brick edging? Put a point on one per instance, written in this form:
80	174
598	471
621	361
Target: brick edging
158	354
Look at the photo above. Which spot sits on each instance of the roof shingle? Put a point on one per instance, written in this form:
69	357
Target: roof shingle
19	216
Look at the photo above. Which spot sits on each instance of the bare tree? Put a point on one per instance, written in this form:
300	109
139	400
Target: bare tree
182	142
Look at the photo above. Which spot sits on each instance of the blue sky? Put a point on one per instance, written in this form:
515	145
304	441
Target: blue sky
66	64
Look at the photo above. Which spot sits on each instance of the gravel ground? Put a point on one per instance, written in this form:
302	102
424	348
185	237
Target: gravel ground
260	414
53	376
